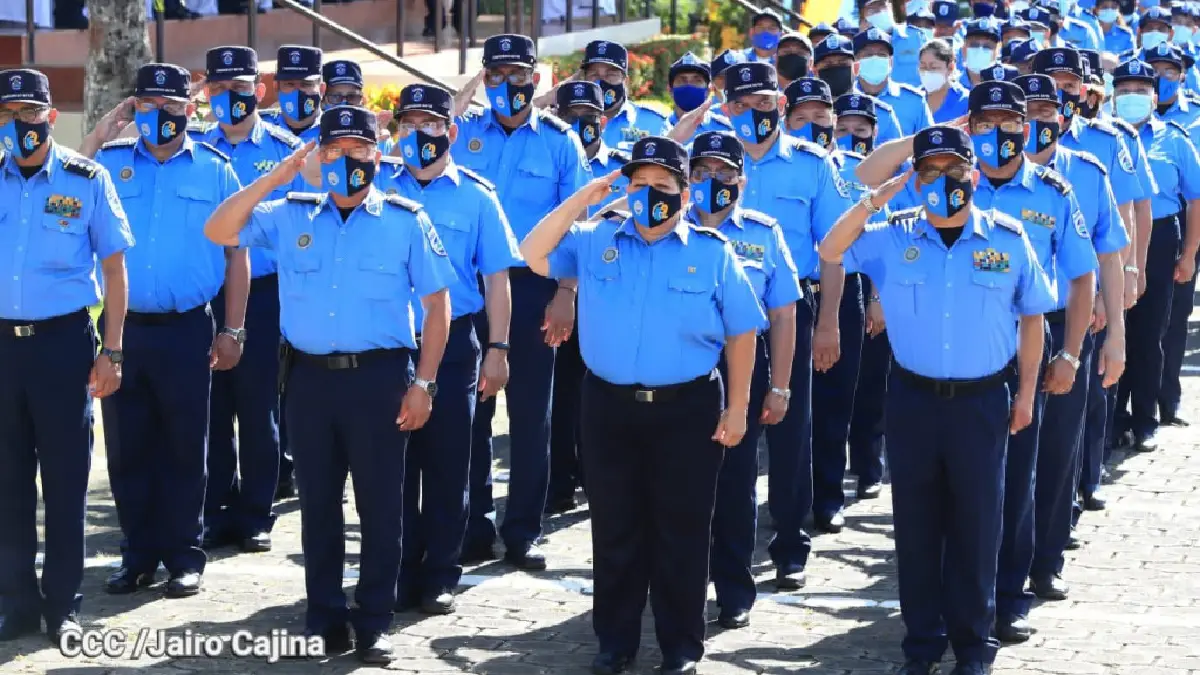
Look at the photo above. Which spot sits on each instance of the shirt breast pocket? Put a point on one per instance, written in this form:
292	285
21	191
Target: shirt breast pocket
381	278
793	212
536	185
302	272
456	233
196	204
902	289
63	242
994	289
692	295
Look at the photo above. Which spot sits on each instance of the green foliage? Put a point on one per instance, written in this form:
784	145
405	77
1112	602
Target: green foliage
649	64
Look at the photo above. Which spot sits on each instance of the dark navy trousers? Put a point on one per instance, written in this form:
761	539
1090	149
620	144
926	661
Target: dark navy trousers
735	514
243	470
527	396
46	423
435	478
156	437
1096	431
565	468
789	452
866	424
1175	344
833	404
1146	328
345	421
1059	457
946	457
651	472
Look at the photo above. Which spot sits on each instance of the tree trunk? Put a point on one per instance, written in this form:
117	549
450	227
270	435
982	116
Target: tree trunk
119	45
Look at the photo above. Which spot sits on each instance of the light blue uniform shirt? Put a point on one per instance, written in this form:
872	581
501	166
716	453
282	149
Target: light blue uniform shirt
906	45
605	162
955	105
1174	163
908	104
276	117
1089	177
1137	154
1183	111
763	254
53	229
797	184
1043	202
1105	143
1119	39
953	314
1078	33
887	125
534	169
468	219
174	267
711	122
632	123
257	154
349	286
655	314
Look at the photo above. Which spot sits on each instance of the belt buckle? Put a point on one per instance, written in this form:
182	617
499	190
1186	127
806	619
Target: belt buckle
23	331
943	389
343	362
643	395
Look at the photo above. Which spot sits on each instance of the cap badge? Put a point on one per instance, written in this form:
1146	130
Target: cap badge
650	148
346	118
227	58
340	69
728	56
873	34
15	82
996	94
1058	58
1134	68
832	41
602	48
807	87
579	90
854	101
295	58
506	45
745	74
935	137
418	95
1033	85
715	142
944	10
160	77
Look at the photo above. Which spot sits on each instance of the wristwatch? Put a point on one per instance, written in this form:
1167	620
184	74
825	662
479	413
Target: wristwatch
873	298
1073	360
498	345
786	394
115	356
868	203
429	386
238	334
1132	269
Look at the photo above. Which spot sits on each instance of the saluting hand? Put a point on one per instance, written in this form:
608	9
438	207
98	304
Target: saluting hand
462	100
1021	415
114	121
687	125
1112	361
731	428
1060	377
494	373
414	409
285	172
105	377
599	189
890	188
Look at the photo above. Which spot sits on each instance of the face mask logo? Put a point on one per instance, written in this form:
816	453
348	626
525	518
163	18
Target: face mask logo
168	129
518	102
860	147
427	152
332	178
609	98
664	206
347	176
588	135
821	139
723	198
1008	150
659	212
1045	137
957	199
358	178
31	141
310	106
764	127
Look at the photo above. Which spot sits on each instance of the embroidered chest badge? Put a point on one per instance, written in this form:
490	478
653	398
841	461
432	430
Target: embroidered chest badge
66	207
747	251
991	260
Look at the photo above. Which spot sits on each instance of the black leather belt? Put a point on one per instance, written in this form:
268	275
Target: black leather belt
948	389
1166	220
264	283
646	394
1057	316
162	318
22	328
339	361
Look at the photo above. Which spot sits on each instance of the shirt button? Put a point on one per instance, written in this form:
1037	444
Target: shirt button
946	346
947	315
335	288
949	256
949	284
16	278
331	314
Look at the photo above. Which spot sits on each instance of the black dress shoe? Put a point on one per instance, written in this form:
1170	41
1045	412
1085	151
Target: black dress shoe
832	523
971	668
1051	588
1093	503
377	650
789	580
915	667
285	490
1145	443
183	585
609	663
336	641
259	542
477	554
125	581
214	539
557	506
1105	476
1013	630
15	626
55	630
442	603
1172	420
734	620
869	490
678	667
1124	440
1073	543
530	559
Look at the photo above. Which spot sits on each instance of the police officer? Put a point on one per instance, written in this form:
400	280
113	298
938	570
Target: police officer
244	471
349	358
690	80
1020	55
793	58
717	183
765	30
1154	27
1172	106
945	21
607	64
536	161
833	61
797	184
980	49
466	213
652	326
1172	158
1077	28
343	81
904	41
156	428
1012	30
873	52
48	350
299	89
1115	36
718	66
950	410
944	94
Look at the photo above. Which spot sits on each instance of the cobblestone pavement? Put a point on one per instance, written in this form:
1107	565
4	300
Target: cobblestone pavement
1134	606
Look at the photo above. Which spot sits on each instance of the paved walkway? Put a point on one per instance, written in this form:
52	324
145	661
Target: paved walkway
1134	607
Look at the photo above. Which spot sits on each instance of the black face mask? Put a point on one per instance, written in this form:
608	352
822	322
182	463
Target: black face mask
588	128
1042	135
712	195
614	94
839	79
421	150
1089	108
792	66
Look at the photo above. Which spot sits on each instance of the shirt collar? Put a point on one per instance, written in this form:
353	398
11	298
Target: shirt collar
187	146
49	166
602	155
1025	175
682	229
780	148
627	109
531	121
451	172
373	204
255	136
975	224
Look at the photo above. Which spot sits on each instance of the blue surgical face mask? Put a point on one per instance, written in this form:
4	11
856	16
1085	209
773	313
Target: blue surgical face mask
1181	35
230	107
945	196
347	176
1166	89
1107	15
860	144
159	127
653	207
755	126
689	96
817	133
874	70
1134	108
1152	39
588	128
1041	136
508	100
882	20
712	195
913	6
18	136
979	58
997	148
420	149
299	105
765	40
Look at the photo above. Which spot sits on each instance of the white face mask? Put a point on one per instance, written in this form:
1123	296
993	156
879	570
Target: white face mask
932	81
882	20
1152	39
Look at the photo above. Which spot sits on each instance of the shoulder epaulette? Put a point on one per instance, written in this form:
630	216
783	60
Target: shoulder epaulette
853	155
721	119
905	216
1179	127
403	202
652	111
1104	126
1093	160
200	127
1123	126
127	142
213	149
80	166
807	146
909	88
391	159
553	122
759	217
1007	222
709	232
303	197
1053	178
614	214
281	134
884	105
477	178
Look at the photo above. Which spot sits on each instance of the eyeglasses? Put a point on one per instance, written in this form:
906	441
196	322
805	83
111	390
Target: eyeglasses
172	107
430	128
241	87
613	76
767	103
1007	126
361	153
955	171
726	175
26	115
344	99
517	78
